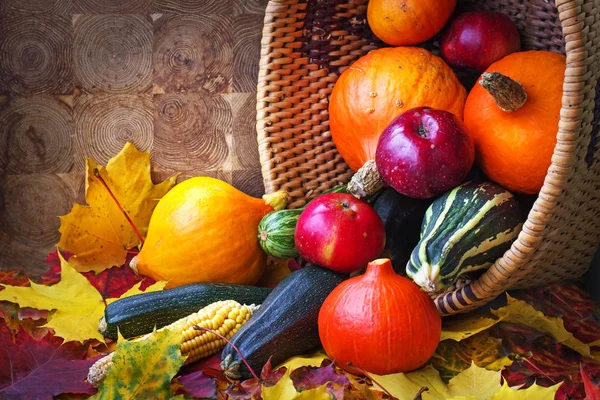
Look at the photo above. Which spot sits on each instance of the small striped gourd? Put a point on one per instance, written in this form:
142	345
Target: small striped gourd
224	317
464	230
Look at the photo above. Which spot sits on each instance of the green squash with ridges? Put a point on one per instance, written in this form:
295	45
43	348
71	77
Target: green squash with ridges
465	230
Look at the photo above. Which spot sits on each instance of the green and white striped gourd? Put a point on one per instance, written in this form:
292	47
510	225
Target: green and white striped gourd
465	230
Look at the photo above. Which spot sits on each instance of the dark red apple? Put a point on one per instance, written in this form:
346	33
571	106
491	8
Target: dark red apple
478	39
339	232
424	152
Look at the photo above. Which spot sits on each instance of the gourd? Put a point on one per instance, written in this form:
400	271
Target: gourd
402	22
379	322
465	230
378	87
142	313
204	230
285	325
512	117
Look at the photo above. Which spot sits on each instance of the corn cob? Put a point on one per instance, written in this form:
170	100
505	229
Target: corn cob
225	317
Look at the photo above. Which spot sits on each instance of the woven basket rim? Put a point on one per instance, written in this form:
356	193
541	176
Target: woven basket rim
513	264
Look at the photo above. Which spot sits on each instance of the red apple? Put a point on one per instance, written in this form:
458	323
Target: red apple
479	38
339	232
424	152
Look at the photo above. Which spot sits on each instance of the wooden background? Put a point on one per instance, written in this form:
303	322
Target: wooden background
79	78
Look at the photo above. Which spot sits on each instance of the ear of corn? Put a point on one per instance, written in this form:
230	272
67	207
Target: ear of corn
224	317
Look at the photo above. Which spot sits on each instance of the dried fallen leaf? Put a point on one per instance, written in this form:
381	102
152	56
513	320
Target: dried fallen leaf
78	306
41	369
99	234
143	369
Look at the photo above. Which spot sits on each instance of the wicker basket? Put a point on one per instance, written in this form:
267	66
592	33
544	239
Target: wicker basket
307	44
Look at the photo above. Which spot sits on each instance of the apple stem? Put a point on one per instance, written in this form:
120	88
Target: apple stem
101	179
366	181
200	328
507	93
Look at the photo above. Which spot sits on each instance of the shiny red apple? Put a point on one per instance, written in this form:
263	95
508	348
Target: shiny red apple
424	152
479	38
339	232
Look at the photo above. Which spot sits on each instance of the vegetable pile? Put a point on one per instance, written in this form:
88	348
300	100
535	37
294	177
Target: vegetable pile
348	278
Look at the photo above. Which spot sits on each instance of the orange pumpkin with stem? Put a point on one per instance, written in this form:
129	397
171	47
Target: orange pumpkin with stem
381	85
512	117
379	322
204	230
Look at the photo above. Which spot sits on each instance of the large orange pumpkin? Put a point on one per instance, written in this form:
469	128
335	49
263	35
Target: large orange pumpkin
204	230
381	85
514	148
379	322
402	22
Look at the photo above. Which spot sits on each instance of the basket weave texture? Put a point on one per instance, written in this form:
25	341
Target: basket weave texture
307	44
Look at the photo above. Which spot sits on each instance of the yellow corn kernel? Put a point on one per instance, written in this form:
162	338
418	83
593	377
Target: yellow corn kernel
225	317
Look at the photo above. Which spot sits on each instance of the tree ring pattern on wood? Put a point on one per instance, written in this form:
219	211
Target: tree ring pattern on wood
31	205
190	131
104	123
35	136
112	53
113	6
35	54
193	53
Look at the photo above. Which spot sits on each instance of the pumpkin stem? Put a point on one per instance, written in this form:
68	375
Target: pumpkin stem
277	200
507	93
366	181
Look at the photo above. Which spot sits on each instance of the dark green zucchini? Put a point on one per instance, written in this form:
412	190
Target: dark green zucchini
402	217
285	325
139	314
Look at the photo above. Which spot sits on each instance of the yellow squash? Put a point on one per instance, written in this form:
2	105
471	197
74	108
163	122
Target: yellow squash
204	230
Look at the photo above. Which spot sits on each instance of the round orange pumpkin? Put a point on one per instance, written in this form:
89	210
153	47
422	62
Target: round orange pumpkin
515	148
204	230
380	322
402	22
381	85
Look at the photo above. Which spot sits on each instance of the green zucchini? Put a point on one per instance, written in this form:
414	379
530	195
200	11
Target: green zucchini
464	230
276	229
140	314
285	325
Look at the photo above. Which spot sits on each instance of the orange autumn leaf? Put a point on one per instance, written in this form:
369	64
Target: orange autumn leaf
99	235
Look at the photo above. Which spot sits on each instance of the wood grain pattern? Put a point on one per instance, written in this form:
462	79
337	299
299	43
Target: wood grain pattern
114	6
193	52
79	78
104	123
190	132
195	6
245	146
112	53
36	136
35	54
246	49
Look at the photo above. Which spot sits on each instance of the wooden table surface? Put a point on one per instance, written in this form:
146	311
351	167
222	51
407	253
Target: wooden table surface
79	78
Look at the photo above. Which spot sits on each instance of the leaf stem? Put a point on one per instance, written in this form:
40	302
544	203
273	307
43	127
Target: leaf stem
232	345
101	179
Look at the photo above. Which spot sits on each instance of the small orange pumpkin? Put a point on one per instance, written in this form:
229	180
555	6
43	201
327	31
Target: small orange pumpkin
204	230
380	322
402	22
381	85
513	120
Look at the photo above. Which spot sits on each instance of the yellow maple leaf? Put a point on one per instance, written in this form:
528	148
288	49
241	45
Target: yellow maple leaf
135	289
519	312
99	235
78	305
534	392
143	369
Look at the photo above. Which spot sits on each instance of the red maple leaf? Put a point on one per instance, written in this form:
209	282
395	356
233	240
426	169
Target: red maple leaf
41	369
